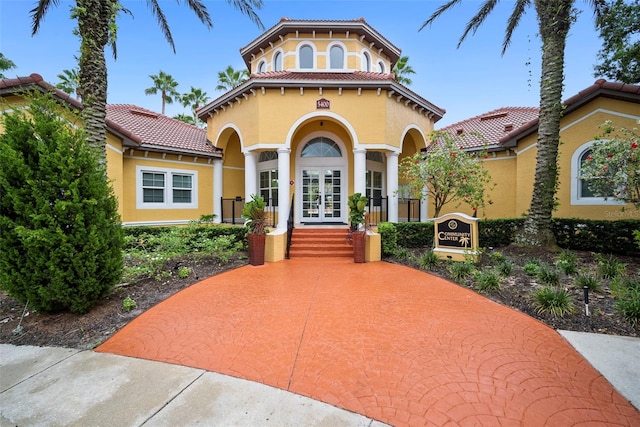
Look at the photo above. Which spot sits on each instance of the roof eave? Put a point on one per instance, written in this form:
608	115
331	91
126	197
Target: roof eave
254	84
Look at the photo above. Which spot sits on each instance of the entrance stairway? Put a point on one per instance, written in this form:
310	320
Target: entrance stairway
320	243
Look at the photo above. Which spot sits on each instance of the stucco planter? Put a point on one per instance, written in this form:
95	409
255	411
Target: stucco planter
256	244
358	239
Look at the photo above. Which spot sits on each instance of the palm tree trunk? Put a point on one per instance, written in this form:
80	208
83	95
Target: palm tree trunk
93	25
537	228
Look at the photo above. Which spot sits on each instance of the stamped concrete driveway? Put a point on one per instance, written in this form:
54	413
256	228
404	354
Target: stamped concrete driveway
386	341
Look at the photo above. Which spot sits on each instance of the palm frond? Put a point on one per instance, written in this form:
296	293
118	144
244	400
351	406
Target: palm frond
439	12
514	20
246	7
162	22
38	12
599	7
201	11
478	19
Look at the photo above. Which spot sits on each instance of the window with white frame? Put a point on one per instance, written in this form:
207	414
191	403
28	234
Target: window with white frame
581	194
306	56
381	67
277	61
158	188
268	177
262	67
366	62
375	177
336	58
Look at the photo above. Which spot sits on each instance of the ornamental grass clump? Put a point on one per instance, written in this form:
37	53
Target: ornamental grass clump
589	281
626	291
428	260
459	271
568	263
609	267
487	280
548	275
553	300
531	267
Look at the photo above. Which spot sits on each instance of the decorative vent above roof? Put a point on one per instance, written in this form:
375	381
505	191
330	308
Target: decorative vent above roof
494	116
144	113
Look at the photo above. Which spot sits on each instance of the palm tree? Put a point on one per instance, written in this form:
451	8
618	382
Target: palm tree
184	118
554	20
194	100
230	78
5	64
97	28
401	69
166	85
69	82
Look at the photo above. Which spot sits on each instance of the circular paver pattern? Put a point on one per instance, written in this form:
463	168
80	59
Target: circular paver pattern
386	341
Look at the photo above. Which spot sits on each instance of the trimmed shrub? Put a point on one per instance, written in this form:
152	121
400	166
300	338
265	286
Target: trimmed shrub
495	233
60	232
389	238
611	237
415	234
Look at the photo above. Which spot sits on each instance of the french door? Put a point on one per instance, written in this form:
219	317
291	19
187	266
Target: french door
322	198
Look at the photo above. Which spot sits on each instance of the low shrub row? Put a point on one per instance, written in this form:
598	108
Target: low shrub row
615	237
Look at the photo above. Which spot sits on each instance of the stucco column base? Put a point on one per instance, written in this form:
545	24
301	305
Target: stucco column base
276	245
373	247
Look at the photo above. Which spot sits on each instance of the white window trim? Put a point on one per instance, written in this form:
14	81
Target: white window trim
168	189
344	56
267	166
313	55
261	64
273	60
575	182
363	61
379	64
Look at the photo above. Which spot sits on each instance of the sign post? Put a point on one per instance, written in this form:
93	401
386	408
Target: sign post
456	237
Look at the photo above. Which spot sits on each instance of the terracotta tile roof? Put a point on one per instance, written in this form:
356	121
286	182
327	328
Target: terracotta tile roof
137	126
289	26
492	125
35	81
601	87
161	133
315	79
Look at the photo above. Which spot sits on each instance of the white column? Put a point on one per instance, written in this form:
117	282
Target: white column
217	190
250	175
392	186
284	203
424	205
359	170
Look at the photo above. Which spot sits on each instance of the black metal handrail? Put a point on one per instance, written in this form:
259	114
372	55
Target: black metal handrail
290	227
378	207
235	206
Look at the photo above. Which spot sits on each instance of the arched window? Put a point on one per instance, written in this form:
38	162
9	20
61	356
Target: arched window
306	57
321	147
336	58
366	62
277	61
581	194
381	68
261	67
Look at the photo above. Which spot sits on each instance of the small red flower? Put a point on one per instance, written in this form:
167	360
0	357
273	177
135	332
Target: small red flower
452	154
634	145
609	156
588	157
475	209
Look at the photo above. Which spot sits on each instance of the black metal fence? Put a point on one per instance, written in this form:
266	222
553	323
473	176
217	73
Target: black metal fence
231	211
378	208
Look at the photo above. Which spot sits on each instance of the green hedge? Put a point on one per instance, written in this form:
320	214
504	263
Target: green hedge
616	237
198	232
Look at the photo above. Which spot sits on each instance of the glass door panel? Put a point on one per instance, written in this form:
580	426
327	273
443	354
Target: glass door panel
311	196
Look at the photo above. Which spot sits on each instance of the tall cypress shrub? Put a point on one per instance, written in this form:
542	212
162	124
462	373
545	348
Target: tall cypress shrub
60	233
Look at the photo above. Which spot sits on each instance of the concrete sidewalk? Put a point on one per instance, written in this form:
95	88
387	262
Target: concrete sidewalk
42	386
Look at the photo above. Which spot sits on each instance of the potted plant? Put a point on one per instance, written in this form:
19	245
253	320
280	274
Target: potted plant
255	219
357	204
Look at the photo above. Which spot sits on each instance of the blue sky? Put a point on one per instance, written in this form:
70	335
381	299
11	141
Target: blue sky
466	82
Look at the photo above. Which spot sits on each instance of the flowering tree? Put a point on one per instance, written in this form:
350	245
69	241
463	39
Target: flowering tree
448	173
612	168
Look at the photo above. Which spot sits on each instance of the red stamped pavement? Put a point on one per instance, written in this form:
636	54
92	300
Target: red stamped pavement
394	344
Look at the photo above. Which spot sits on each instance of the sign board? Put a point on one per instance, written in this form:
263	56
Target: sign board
323	103
456	237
